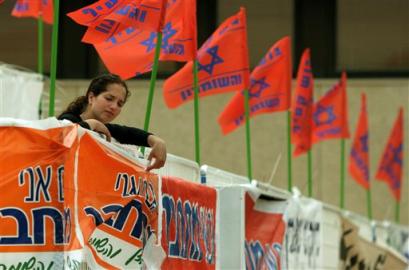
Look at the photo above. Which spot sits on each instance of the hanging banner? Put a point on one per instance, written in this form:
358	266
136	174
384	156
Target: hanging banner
116	204
398	238
357	253
20	93
188	224
33	217
265	230
304	235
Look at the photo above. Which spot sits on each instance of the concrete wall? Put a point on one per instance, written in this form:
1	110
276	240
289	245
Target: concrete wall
269	139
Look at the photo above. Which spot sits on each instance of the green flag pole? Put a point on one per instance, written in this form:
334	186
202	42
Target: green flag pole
342	174
248	146
196	110
40	65
152	84
397	212
369	203
309	173
289	158
53	66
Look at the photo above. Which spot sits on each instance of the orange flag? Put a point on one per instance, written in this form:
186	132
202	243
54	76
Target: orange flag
330	114
301	109
390	166
222	64
359	156
34	8
130	52
270	88
143	14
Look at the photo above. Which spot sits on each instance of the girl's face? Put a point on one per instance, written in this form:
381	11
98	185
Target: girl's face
106	106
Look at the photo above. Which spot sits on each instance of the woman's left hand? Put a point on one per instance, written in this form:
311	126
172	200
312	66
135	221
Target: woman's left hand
157	156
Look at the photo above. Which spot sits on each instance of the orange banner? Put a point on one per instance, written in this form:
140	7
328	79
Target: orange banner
264	236
33	217
188	224
117	197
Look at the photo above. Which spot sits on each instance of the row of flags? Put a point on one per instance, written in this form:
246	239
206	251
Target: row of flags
125	34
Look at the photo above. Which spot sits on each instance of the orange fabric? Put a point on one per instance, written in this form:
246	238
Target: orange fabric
33	217
130	51
330	114
188	224
390	166
359	156
270	88
301	109
142	14
222	64
34	8
112	193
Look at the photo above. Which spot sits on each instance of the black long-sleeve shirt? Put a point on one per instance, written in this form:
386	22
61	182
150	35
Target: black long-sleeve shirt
123	134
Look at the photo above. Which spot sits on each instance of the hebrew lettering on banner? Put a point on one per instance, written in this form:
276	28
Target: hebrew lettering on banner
188	224
304	235
116	202
264	234
357	253
33	218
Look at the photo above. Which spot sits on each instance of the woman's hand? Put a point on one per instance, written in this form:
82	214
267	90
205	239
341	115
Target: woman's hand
99	127
157	156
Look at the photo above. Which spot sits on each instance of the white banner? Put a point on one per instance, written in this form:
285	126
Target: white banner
304	236
20	93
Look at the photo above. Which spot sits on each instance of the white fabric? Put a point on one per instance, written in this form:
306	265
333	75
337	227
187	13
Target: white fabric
304	234
20	93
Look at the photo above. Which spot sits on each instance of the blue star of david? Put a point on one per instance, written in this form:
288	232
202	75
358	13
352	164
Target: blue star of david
214	61
150	42
254	92
168	32
396	153
364	143
324	110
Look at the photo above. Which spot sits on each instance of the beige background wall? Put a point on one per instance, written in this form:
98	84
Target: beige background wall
269	139
268	21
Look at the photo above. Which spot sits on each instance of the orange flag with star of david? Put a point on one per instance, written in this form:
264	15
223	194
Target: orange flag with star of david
142	14
390	166
270	88
35	9
301	107
359	156
222	64
129	50
330	114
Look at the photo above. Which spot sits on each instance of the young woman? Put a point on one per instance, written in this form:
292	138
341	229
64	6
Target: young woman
102	104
